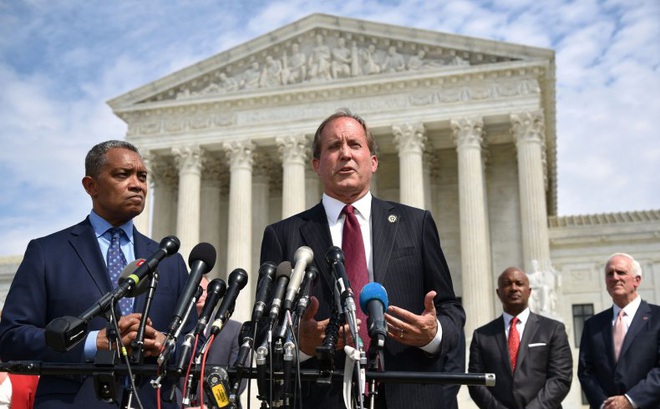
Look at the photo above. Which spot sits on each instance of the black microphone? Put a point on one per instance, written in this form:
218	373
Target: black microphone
214	292
335	258
301	259
266	276
201	261
237	280
64	333
311	275
283	273
374	302
142	286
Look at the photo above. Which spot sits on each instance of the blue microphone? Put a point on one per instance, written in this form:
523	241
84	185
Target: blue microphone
374	302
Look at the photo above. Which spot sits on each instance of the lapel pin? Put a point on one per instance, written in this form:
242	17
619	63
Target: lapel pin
391	218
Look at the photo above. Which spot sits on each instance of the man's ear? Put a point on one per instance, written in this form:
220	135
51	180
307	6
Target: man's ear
89	184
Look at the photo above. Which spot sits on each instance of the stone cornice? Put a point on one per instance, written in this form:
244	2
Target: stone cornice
645	216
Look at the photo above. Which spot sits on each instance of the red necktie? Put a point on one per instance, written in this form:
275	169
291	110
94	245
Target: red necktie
355	262
618	334
514	343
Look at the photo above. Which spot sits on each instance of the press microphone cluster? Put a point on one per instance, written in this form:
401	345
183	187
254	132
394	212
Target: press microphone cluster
64	333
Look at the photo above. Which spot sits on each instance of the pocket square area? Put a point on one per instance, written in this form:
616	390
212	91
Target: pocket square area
538	344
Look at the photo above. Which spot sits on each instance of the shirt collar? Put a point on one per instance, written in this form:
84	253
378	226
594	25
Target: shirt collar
522	317
629	309
101	226
333	207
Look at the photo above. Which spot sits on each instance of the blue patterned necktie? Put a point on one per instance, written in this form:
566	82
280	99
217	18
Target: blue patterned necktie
116	264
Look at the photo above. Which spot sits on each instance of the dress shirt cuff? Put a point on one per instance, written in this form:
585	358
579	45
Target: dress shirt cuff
90	345
433	346
632	402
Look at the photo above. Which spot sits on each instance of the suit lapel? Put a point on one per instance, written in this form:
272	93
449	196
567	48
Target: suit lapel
316	234
606	335
83	240
640	320
531	327
384	225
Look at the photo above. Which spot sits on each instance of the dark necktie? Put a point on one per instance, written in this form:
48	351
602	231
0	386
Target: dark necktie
116	264
355	262
514	343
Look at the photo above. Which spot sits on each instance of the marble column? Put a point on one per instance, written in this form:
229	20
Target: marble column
313	190
213	174
165	180
142	221
475	242
528	132
261	171
294	151
239	247
189	161
409	140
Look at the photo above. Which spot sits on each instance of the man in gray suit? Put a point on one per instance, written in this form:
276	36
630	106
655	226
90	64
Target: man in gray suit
401	251
539	375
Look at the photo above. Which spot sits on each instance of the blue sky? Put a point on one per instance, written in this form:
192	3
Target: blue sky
60	61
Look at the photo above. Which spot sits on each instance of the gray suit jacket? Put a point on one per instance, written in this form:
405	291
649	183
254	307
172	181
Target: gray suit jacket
543	372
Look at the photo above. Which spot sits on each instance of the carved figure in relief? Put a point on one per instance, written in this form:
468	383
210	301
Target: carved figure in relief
370	63
227	84
294	69
272	73
341	59
393	61
251	77
416	62
319	61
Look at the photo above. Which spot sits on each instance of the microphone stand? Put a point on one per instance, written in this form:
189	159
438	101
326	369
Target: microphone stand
138	342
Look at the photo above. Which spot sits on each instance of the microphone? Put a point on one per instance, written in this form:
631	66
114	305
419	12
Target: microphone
311	275
266	276
237	280
201	261
214	292
301	258
335	258
283	273
64	333
374	302
142	286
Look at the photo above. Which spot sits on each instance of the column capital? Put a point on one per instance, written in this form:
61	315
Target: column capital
162	171
294	148
409	137
189	158
215	172
263	167
468	132
528	127
239	154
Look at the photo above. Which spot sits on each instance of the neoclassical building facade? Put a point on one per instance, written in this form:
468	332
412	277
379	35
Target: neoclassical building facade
465	128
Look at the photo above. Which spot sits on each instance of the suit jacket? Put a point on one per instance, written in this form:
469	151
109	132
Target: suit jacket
64	274
637	373
544	369
408	262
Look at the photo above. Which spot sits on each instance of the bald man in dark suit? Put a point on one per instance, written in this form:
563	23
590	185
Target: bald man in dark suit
542	373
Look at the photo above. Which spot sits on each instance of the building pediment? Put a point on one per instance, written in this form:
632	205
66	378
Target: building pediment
324	50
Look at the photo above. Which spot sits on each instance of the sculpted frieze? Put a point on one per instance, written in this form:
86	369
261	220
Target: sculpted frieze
322	56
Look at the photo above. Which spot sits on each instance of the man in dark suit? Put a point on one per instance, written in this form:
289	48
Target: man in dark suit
402	252
540	374
65	273
624	374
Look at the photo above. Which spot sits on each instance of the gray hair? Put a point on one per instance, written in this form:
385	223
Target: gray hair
96	157
636	267
343	113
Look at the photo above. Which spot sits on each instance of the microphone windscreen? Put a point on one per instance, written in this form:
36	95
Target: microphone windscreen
284	269
142	285
204	252
373	291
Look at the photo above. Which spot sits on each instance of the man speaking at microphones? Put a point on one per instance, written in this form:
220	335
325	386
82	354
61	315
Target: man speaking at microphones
67	272
386	242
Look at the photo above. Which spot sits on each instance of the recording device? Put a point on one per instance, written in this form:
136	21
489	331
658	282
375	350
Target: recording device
266	276
237	280
301	259
311	275
64	333
216	386
283	273
214	292
374	302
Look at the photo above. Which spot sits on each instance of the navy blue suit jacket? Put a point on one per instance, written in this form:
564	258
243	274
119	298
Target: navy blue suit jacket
637	373
408	261
64	274
544	369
